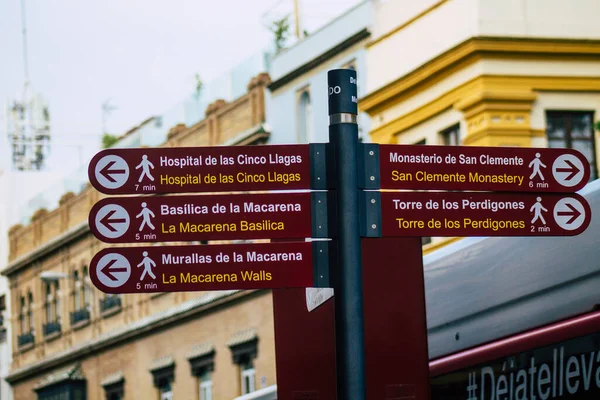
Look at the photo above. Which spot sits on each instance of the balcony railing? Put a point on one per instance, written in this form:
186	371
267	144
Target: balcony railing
80	315
51	328
25	339
110	303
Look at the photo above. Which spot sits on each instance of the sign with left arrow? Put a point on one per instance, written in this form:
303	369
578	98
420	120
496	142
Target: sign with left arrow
209	267
206	169
208	217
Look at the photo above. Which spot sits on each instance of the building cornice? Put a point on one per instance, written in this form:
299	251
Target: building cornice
320	59
405	24
256	134
54	244
208	302
387	133
470	51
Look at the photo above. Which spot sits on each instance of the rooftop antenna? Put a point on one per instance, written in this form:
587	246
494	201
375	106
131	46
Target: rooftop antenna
28	120
107	108
25	59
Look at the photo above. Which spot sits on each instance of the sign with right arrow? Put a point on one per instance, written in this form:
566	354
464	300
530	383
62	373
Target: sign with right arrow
483	214
507	169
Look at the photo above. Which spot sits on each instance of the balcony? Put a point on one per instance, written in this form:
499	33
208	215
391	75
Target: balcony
110	305
26	340
80	318
52	330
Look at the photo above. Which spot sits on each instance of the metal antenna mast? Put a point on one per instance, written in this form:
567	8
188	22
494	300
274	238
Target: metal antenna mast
25	59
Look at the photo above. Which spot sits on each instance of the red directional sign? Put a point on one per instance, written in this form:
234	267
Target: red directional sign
482	168
483	214
208	267
200	169
202	217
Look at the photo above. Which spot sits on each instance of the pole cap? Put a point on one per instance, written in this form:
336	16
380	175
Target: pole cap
342	91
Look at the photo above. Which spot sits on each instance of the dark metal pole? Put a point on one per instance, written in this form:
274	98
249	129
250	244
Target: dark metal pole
349	321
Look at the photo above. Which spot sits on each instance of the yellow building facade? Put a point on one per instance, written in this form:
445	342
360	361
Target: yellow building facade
71	341
522	73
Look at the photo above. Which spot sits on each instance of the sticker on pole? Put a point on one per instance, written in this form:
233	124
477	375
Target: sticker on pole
317	296
113	270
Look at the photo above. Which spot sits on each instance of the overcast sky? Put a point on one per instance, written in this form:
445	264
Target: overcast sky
140	54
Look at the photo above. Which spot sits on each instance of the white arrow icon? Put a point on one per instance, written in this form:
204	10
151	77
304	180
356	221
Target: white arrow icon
569	213
113	270
568	170
111	172
112	221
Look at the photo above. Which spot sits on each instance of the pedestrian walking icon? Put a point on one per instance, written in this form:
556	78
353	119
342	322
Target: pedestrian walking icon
145	214
537	209
536	163
145	165
147	263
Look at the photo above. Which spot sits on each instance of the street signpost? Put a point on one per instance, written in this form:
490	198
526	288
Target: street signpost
207	217
373	308
216	267
207	169
504	169
483	214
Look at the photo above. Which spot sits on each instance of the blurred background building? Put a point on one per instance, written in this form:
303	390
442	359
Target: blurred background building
70	341
485	73
469	72
297	108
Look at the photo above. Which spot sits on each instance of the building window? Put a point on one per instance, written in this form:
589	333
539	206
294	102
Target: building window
163	375
48	303
114	386
76	291
30	311
573	130
2	309
422	142
202	364
166	393
206	387
244	349
304	116
52	325
85	287
451	136
63	384
248	377
22	316
26	337
111	303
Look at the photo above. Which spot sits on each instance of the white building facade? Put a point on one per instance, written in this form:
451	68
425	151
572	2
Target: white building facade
297	106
